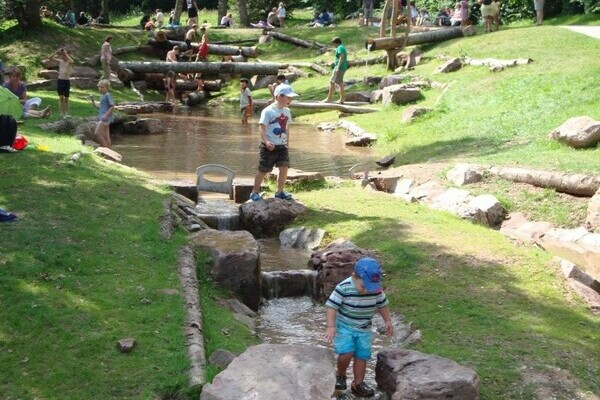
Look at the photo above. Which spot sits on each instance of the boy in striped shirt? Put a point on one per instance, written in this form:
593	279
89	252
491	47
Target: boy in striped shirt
350	309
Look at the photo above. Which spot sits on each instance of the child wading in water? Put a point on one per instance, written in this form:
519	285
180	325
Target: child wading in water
274	134
105	113
350	309
246	103
170	83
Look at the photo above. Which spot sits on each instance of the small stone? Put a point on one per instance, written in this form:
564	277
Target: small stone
126	345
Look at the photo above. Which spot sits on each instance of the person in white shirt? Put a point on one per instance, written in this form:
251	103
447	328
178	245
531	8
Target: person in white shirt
160	18
227	21
281	13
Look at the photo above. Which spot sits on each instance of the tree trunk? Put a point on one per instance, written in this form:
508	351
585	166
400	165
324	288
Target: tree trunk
243	11
130	69
294	40
221	10
178	11
195	98
218	49
104	12
577	184
413	39
27	13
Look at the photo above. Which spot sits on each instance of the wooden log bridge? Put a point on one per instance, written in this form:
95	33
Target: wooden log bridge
393	45
218	49
294	40
128	70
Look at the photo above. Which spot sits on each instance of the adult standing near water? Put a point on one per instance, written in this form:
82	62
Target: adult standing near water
63	84
192	9
340	66
368	12
106	57
539	11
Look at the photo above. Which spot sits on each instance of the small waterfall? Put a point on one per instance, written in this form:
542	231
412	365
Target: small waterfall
278	284
219	214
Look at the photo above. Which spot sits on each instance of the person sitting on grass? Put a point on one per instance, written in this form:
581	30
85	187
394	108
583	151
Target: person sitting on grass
227	21
19	89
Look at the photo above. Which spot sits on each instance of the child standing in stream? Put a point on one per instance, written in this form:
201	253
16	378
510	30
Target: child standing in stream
350	308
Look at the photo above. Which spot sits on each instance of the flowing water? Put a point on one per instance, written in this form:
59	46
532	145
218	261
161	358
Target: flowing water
301	320
195	137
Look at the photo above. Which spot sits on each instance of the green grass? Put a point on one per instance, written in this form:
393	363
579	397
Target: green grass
85	265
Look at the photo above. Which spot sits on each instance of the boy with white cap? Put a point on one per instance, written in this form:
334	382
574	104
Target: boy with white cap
274	133
350	308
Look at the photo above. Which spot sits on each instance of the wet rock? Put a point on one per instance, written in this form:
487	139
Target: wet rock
269	216
412	112
463	174
184	211
411	375
126	345
108	154
335	263
143	126
221	358
517	226
303	238
451	65
235	262
276	371
578	132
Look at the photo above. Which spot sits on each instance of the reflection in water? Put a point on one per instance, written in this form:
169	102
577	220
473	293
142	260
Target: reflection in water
216	136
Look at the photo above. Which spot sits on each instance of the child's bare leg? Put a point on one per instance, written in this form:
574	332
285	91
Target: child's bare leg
281	178
102	134
343	362
358	368
258	179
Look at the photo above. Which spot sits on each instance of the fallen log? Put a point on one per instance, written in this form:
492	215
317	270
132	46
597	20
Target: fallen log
352	108
156	81
386	43
218	49
315	67
294	40
576	184
194	98
129	70
366	61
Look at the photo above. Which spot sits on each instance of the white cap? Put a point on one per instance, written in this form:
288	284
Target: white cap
285	90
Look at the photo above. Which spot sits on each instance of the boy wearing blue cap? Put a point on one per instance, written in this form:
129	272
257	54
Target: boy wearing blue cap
350	309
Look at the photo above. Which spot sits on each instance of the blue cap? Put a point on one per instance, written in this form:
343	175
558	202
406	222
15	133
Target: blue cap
369	270
285	90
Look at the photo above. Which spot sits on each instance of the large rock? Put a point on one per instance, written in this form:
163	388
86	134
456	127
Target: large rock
592	221
363	96
412	112
276	371
452	200
108	154
400	94
48	74
81	71
235	262
335	263
517	226
86	130
463	174
578	132
390	80
262	81
143	126
269	216
485	209
302	238
451	65
411	375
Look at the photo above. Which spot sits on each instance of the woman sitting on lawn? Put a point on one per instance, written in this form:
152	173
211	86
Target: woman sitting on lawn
19	89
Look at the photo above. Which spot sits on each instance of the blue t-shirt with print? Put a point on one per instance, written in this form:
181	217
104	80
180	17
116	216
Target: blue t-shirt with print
106	101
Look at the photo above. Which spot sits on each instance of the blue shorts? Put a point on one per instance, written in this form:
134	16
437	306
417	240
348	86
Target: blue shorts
348	340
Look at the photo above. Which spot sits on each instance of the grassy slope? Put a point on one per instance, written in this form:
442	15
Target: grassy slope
503	310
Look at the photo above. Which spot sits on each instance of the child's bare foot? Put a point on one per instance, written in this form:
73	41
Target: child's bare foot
46	112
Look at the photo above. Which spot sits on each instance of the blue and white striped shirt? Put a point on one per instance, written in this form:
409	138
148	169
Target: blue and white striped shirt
355	309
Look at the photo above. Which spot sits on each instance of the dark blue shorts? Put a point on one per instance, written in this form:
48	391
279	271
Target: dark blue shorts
279	157
63	87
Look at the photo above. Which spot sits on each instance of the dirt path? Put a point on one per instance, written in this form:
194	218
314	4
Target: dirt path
593	31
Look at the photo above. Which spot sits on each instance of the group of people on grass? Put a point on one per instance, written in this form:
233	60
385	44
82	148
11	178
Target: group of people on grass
69	18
